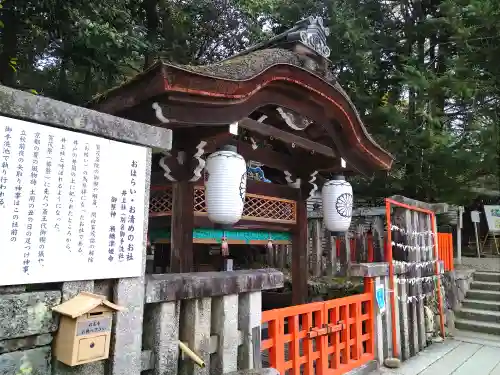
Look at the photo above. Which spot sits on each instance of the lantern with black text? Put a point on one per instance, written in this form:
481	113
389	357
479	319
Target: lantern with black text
337	204
225	186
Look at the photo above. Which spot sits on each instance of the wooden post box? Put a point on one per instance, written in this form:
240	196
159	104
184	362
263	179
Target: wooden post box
84	329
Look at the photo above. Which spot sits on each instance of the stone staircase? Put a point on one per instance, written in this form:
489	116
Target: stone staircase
480	311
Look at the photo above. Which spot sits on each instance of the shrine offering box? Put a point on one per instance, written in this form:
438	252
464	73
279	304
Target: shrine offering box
84	329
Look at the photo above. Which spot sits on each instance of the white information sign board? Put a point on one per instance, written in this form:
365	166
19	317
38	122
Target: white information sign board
475	216
492	214
71	205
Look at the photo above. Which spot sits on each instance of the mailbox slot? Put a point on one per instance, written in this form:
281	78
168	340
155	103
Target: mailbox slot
92	347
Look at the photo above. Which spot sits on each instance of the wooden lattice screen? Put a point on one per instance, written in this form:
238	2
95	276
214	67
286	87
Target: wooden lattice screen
160	201
257	207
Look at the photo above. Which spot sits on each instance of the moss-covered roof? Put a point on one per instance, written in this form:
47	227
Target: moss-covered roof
238	68
245	66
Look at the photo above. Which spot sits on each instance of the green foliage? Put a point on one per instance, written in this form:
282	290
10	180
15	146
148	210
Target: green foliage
424	75
25	368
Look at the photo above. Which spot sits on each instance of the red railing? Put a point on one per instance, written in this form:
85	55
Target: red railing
445	247
331	337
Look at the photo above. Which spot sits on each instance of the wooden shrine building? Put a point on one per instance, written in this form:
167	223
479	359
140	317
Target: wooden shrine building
279	103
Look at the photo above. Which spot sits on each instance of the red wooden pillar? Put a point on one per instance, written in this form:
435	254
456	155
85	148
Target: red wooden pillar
181	236
371	253
300	270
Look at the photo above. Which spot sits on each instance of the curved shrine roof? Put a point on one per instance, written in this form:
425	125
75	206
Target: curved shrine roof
228	91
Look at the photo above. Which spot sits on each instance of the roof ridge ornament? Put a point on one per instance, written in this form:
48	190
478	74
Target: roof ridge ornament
313	34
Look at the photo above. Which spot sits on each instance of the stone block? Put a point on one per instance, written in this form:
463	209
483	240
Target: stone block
36	108
12	289
172	287
28	314
225	326
438	208
147	360
28	362
451	295
194	331
370	269
463	279
29	342
249	324
161	337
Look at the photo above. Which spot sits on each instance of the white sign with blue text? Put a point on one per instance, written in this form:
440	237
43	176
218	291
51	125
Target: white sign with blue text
380	297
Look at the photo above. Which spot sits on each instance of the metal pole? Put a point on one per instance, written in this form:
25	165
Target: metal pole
477	241
395	351
459	235
438	274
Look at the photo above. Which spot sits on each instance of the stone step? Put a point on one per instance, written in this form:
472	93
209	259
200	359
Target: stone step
476	326
477	338
484	295
481	305
485	285
487	276
479	315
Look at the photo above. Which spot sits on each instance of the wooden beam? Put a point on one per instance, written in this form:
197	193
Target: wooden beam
187	138
217	136
253	187
272	190
269	158
181	253
271	131
203	222
300	270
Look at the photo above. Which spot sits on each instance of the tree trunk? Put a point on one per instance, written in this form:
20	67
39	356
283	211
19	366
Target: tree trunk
152	23
9	43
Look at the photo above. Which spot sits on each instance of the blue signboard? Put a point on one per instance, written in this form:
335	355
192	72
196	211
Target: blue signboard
380	297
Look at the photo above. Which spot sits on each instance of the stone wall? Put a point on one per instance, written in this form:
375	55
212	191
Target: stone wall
26	330
456	284
216	314
28	325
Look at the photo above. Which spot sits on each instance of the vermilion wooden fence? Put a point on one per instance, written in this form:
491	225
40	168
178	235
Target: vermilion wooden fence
331	337
445	248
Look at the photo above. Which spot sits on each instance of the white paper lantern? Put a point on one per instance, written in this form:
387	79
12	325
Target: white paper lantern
337	204
225	186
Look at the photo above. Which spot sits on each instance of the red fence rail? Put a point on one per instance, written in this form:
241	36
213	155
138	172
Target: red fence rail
445	248
331	337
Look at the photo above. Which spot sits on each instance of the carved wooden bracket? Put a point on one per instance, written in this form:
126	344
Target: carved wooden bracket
180	166
164	120
295	182
159	113
169	164
314	189
293	120
201	163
